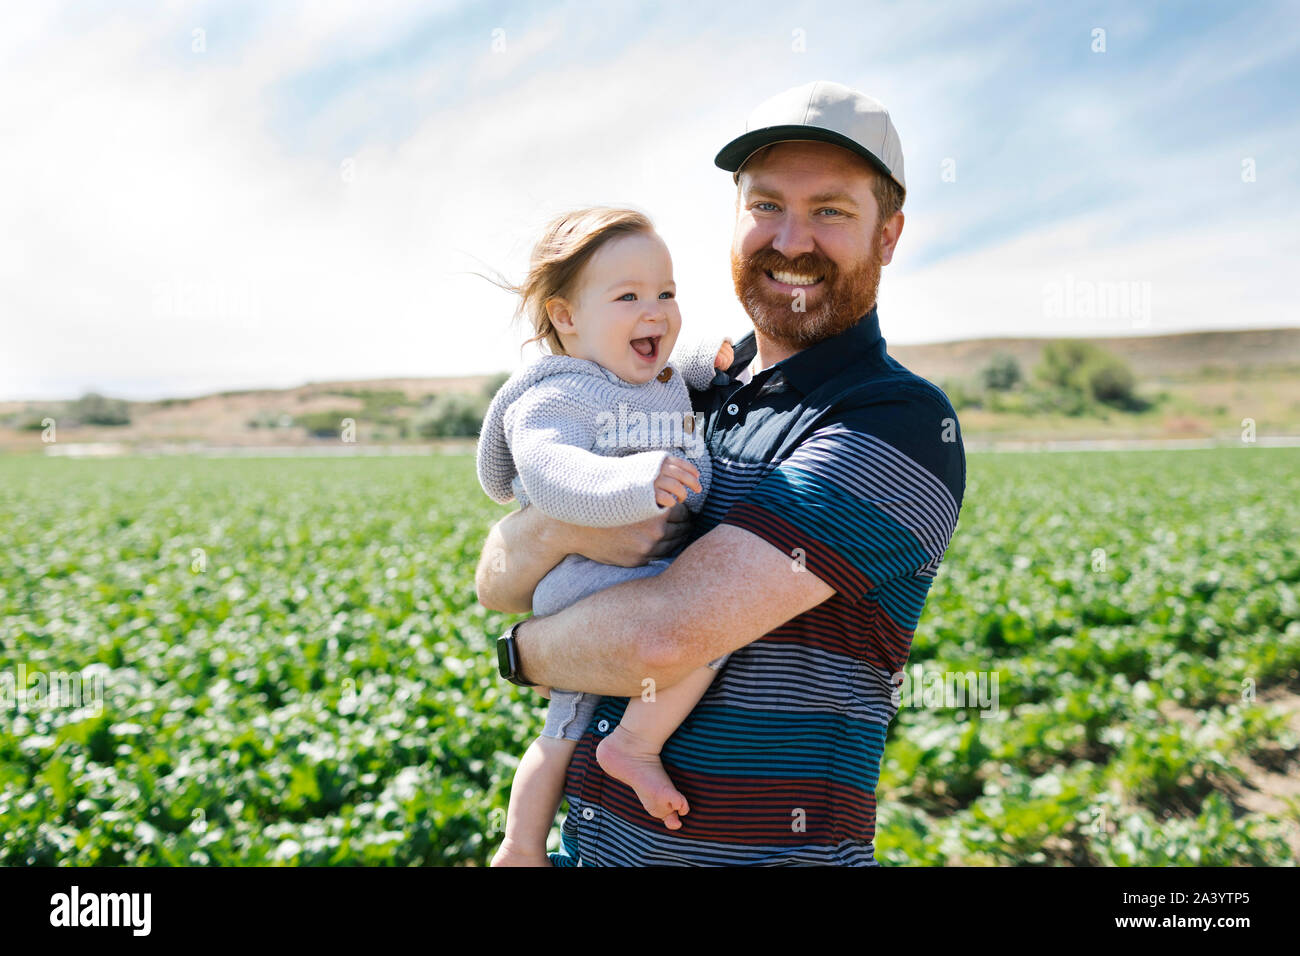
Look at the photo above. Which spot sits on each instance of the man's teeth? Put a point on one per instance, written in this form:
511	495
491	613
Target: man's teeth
794	278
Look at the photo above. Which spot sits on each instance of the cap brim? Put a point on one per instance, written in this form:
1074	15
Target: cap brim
732	156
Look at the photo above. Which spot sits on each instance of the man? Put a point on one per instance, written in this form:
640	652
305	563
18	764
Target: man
838	476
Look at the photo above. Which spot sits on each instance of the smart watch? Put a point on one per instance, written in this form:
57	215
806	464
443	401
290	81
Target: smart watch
508	658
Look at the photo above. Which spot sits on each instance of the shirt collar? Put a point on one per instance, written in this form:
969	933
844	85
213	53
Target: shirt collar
812	367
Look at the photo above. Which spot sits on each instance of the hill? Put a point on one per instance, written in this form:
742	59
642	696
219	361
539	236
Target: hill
1199	385
1154	358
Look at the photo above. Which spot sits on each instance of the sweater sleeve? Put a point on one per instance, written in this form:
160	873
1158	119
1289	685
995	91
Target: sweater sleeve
552	431
695	361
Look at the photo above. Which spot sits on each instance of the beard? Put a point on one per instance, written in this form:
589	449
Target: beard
832	306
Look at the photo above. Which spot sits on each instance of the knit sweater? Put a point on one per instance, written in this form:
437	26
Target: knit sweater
584	446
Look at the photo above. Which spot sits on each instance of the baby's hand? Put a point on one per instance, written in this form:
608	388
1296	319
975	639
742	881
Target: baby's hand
726	355
676	477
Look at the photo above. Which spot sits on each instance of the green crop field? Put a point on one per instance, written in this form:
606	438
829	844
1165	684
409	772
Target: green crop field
282	661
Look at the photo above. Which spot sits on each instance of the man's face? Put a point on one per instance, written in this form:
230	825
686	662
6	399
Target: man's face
807	251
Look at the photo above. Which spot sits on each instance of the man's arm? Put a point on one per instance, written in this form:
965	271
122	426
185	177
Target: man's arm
845	513
524	545
726	590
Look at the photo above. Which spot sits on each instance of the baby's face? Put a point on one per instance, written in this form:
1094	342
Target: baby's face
625	317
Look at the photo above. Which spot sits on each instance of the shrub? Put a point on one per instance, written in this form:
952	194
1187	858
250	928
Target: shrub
94	409
379	407
962	396
270	419
1063	363
1001	374
32	420
451	416
1112	383
1084	372
324	424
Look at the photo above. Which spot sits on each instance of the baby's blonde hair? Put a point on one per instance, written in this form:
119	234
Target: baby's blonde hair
554	269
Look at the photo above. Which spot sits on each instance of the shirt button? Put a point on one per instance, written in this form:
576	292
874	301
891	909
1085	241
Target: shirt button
733	409
603	726
588	813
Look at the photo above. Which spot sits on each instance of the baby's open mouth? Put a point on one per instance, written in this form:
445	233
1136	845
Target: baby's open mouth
792	278
647	347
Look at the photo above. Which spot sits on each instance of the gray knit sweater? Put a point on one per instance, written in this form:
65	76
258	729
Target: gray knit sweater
584	446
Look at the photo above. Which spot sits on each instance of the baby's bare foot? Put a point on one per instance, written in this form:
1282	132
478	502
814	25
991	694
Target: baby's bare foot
509	854
626	757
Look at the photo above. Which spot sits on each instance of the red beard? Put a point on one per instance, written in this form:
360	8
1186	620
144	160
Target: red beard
833	305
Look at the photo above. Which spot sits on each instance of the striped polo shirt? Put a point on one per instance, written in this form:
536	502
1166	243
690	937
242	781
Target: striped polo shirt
853	466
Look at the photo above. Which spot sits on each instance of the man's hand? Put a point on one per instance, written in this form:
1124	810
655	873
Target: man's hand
633	545
524	545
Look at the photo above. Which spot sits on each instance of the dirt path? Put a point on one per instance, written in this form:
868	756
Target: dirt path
1271	779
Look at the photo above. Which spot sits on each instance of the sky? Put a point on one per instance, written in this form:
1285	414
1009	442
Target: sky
200	197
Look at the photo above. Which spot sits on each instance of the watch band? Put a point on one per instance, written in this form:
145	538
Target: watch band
508	657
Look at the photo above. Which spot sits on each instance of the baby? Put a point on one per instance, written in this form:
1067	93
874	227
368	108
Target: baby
599	432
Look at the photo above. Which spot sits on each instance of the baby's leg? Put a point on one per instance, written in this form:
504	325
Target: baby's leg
535	797
631	752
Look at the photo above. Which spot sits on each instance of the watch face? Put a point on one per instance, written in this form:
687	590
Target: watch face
503	657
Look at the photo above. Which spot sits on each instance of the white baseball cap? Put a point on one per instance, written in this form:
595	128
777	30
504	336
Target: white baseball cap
825	112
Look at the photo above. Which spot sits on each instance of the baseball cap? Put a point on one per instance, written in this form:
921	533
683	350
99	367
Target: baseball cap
825	112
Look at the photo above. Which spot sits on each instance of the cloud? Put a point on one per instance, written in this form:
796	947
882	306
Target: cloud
302	199
1223	274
